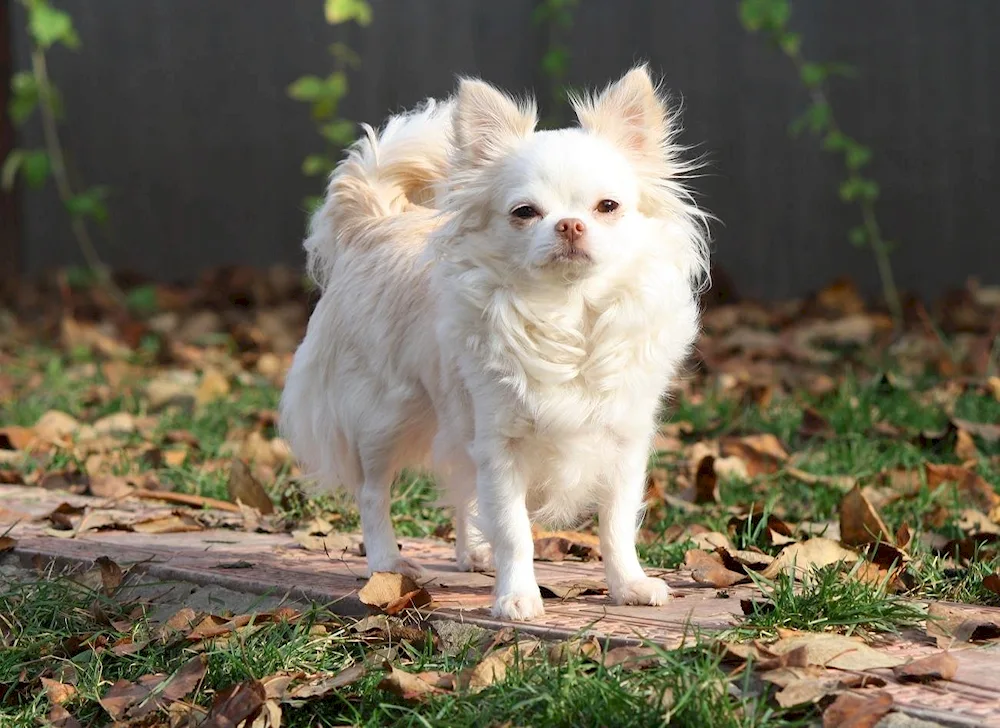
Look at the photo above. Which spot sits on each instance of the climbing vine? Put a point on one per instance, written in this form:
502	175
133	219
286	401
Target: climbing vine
771	19
324	95
556	17
33	91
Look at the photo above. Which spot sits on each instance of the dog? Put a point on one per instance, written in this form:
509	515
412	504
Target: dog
507	308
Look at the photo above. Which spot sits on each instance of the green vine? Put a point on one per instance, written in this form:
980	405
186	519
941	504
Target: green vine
556	16
325	94
771	18
33	90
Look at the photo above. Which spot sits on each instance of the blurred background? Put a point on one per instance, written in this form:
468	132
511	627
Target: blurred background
191	118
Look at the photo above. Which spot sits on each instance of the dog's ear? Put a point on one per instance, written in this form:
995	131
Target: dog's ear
629	113
488	122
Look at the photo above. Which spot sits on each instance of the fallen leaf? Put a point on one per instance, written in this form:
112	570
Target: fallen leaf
214	385
802	558
244	488
56	426
953	624
994	386
111	574
391	593
842	482
7	543
57	692
571	589
707	568
330	543
407	685
973	485
236	705
763	453
939	666
589	648
814	425
965	446
632	657
175	522
17	438
988	431
990	582
493	667
860	523
557	548
59	717
852	710
153	692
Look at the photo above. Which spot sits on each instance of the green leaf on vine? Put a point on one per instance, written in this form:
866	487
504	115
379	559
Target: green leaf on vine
555	62
339	132
24	96
89	204
858	236
32	164
813	74
316	164
857	156
49	26
344	11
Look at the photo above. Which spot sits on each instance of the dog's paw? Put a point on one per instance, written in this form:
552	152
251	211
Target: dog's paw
647	591
519	607
477	558
409	567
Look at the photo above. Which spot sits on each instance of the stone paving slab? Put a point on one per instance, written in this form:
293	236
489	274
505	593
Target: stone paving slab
279	567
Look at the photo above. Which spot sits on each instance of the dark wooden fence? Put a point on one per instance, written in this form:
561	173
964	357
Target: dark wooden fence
180	107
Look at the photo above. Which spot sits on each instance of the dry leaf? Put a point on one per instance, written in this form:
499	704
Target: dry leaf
391	593
214	385
59	717
557	548
953	624
111	574
988	431
244	488
853	710
965	446
175	522
972	484
234	706
17	438
835	651
589	648
632	657
860	523
57	692
407	685
135	700
7	543
802	558
763	453
842	482
707	568
939	666
990	582
330	543
56	426
493	667
571	589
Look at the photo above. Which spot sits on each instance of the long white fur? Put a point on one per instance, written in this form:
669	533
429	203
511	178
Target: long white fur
451	335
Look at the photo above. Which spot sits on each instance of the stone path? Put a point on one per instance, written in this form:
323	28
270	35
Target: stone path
274	564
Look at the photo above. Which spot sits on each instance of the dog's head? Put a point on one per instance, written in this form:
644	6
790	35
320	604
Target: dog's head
576	202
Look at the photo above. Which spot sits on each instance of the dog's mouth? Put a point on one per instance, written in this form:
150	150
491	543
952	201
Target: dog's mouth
572	256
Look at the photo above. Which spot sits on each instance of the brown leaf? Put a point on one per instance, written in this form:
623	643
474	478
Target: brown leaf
990	582
57	692
214	385
802	558
814	424
972	484
852	710
965	446
952	624
988	431
493	667
56	426
631	657
558	547
707	568
391	593
153	692
589	647
244	488
17	438
843	482
706	481
111	574
407	685
763	453
329	543
175	522
236	705
939	666
59	717
860	523
571	589
7	543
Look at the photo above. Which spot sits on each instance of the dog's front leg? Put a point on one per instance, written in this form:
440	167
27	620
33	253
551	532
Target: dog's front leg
618	517
503	513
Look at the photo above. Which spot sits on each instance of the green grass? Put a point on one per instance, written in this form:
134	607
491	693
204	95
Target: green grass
49	628
827	600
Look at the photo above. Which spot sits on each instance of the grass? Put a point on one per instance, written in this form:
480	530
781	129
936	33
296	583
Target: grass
51	629
827	600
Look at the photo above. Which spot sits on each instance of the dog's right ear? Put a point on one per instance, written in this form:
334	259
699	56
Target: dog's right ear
488	122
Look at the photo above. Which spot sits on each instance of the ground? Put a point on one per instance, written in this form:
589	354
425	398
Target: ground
822	473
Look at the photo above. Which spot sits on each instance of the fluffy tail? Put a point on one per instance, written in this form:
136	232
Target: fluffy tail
385	173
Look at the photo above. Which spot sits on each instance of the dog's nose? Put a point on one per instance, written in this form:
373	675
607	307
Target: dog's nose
571	229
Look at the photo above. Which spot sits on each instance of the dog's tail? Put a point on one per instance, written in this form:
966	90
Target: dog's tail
384	174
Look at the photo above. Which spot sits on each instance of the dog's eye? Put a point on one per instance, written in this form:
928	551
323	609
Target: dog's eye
607	206
525	212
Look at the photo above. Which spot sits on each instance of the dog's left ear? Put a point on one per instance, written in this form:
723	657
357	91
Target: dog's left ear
488	122
629	112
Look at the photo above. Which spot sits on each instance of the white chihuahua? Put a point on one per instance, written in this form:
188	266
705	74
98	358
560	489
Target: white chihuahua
507	307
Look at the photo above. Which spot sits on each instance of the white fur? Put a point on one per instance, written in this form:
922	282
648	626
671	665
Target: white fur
461	339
